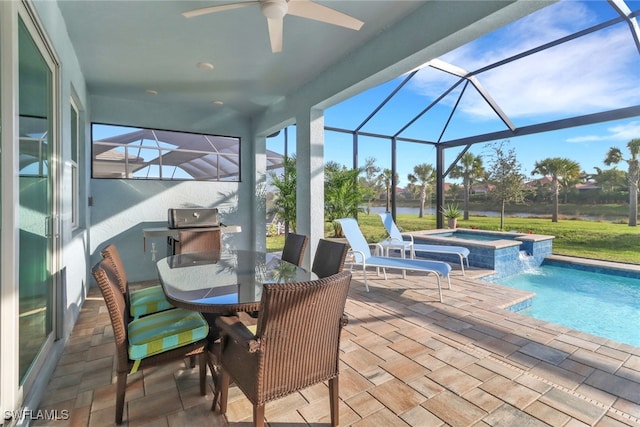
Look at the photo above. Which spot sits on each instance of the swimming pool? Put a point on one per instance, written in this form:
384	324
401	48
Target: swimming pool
602	304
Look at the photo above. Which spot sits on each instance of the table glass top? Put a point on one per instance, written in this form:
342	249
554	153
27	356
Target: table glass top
227	277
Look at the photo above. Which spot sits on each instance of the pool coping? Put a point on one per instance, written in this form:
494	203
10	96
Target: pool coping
611	265
515	237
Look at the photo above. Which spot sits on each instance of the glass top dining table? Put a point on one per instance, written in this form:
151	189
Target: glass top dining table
224	281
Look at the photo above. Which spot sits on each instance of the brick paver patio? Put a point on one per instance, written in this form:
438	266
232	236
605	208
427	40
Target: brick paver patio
407	361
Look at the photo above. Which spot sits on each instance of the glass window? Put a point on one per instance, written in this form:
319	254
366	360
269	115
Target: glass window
121	152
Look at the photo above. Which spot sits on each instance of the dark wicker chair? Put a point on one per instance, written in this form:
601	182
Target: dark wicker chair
294	248
296	344
167	322
141	302
199	241
329	258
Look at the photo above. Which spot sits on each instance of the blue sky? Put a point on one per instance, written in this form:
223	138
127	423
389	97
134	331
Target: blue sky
591	74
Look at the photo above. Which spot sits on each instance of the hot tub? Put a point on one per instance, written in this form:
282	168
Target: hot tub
504	252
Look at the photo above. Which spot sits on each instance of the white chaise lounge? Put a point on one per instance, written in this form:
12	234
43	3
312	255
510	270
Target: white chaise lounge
361	251
396	236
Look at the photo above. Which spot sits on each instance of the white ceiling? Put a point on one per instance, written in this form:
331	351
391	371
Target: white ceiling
127	47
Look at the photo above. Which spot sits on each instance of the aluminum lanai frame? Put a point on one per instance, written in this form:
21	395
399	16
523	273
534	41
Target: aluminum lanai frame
626	15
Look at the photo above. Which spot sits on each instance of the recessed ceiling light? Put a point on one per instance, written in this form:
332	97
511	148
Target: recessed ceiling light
151	92
218	103
204	66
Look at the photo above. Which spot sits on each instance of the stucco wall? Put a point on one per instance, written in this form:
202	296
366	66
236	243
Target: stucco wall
123	208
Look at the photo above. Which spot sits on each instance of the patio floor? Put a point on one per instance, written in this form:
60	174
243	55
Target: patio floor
407	361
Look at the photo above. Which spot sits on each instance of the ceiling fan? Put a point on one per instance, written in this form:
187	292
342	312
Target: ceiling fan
276	10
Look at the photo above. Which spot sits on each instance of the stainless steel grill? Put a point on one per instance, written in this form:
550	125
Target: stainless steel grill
202	220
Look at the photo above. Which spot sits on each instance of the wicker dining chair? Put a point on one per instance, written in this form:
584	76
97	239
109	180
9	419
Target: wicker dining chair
199	241
296	344
141	302
329	258
150	340
294	248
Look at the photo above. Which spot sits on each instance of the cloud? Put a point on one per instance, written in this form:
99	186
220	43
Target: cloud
594	73
586	138
617	133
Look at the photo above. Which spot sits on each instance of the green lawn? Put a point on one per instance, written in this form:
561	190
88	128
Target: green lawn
589	239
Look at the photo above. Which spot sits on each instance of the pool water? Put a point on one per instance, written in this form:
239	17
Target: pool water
482	237
601	304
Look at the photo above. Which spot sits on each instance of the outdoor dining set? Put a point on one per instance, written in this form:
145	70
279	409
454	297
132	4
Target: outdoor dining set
257	320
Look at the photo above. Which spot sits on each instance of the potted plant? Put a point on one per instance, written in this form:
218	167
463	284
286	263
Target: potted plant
452	213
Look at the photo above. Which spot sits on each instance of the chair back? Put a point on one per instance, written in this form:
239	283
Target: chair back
104	273
120	274
294	248
390	226
299	330
329	258
355	237
199	241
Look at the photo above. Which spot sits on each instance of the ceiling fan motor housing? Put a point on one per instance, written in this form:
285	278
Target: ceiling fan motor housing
274	9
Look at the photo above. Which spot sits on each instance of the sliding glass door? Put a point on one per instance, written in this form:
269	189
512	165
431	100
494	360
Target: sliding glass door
37	223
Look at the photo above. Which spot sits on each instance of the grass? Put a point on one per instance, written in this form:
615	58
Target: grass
589	239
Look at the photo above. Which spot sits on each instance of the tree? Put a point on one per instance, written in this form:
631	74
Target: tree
614	156
371	186
469	168
562	171
505	176
454	190
610	179
284	204
420	183
385	177
341	194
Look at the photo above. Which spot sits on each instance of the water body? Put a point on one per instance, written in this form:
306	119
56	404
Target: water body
432	211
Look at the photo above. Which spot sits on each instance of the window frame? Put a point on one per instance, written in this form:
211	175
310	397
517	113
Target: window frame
234	176
74	163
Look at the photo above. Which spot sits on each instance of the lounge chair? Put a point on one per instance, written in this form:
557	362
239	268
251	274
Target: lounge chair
396	236
361	251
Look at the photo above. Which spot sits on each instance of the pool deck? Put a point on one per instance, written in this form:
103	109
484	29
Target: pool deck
406	360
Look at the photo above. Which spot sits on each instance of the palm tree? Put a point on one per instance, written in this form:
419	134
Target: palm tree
420	182
614	156
284	204
371	183
559	169
342	194
385	177
469	169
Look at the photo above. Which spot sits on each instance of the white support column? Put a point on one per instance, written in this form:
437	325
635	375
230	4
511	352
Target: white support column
260	187
310	179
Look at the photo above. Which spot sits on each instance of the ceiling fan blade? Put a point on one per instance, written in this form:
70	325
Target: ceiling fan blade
317	12
220	8
275	34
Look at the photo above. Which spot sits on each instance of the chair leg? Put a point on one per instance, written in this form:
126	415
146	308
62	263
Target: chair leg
121	387
202	358
258	415
334	401
364	272
462	264
223	391
191	362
